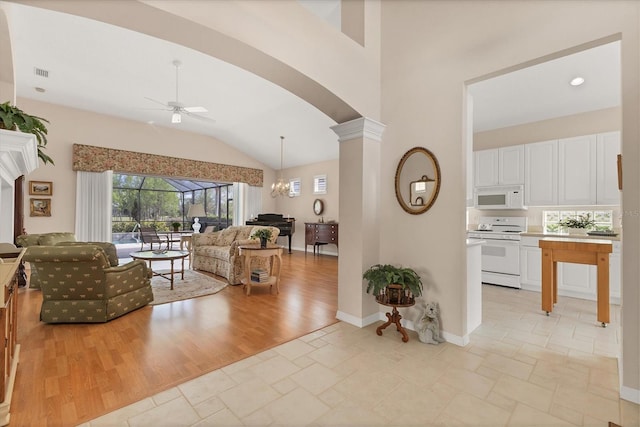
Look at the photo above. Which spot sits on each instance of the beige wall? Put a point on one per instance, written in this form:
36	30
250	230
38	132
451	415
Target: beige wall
589	123
301	207
430	50
68	126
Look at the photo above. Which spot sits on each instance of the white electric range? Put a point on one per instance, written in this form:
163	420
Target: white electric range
501	250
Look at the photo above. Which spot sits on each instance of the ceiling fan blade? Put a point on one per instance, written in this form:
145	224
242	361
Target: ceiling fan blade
199	117
157	102
195	109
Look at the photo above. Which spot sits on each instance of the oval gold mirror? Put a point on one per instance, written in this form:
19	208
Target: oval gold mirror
417	180
318	206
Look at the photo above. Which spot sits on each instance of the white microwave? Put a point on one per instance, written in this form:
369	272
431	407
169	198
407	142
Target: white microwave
499	197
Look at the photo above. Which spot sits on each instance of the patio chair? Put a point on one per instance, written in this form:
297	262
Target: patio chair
149	236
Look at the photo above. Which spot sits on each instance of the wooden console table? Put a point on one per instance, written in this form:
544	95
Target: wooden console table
580	251
10	353
320	233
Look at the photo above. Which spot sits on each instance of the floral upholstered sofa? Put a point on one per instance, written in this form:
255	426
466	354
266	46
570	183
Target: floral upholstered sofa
218	253
79	285
60	238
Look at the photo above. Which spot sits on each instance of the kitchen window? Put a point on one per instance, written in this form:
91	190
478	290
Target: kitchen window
552	219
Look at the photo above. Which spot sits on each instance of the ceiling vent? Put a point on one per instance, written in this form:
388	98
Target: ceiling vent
40	72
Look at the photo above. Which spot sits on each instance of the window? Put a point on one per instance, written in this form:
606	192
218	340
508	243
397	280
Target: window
294	187
320	184
158	202
551	219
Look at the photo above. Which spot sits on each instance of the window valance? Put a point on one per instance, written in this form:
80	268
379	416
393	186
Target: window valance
99	159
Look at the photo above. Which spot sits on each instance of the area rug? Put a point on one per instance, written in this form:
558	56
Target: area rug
194	285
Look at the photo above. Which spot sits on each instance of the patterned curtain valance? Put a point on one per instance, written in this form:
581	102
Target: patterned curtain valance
98	159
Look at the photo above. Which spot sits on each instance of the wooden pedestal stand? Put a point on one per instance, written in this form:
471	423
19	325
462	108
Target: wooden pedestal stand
394	317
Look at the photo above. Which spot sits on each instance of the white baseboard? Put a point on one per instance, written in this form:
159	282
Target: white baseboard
407	324
630	394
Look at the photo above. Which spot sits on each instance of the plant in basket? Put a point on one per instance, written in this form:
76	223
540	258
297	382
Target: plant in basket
393	285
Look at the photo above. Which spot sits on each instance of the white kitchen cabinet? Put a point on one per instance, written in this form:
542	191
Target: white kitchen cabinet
607	150
577	171
577	280
530	264
499	166
615	278
541	173
486	168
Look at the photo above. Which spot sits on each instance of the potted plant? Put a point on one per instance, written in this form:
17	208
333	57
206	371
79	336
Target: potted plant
393	285
176	226
264	234
13	118
578	225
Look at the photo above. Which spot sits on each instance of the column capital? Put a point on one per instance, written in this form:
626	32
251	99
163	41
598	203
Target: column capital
362	127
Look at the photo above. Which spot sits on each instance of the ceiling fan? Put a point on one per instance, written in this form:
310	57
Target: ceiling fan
178	108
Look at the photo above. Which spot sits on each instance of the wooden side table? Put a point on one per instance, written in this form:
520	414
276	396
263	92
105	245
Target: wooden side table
185	244
394	317
272	251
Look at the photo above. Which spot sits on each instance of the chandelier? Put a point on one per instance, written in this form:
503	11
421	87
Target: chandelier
280	187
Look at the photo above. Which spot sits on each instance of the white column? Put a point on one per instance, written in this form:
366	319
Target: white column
359	237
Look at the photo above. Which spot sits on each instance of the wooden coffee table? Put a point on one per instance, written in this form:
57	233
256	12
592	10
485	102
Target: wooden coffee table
162	256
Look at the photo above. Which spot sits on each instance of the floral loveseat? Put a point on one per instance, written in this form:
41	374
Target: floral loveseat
79	285
60	238
217	252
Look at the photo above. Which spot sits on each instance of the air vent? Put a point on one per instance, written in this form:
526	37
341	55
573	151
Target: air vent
41	73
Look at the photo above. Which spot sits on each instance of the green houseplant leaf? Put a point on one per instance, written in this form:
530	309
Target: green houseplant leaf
380	276
262	233
13	118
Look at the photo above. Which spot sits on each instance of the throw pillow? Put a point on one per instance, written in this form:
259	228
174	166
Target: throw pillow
226	237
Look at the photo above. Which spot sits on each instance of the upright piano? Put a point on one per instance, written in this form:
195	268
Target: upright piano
287	226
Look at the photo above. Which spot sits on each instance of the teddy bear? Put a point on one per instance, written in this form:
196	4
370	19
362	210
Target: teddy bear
428	324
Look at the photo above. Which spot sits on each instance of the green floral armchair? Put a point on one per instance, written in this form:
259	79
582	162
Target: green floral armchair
60	238
79	285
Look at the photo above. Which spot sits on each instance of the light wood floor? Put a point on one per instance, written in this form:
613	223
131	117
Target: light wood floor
69	374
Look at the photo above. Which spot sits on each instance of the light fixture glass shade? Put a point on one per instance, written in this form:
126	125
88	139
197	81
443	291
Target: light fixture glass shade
196	210
280	187
176	118
577	81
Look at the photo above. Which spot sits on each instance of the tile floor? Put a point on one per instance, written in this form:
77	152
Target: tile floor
521	368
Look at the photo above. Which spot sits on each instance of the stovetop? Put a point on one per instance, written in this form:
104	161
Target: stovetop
505	228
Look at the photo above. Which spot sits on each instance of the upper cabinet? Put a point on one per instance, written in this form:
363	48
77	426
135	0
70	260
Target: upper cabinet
567	172
499	166
577	170
541	173
607	150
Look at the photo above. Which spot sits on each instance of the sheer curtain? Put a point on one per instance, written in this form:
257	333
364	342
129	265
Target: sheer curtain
93	206
247	202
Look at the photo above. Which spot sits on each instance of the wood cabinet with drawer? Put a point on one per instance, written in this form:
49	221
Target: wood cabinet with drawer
320	233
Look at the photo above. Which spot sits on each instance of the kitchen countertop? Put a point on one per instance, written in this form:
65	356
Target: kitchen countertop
570	236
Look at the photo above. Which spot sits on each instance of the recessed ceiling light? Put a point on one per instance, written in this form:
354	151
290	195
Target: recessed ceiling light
40	89
577	81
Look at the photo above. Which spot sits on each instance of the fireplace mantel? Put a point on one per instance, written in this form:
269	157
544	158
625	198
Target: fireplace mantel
18	156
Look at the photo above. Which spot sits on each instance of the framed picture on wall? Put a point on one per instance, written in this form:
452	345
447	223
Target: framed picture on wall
40	188
40	207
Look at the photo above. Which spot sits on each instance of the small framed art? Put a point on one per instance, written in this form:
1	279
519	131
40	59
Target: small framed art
40	207
40	188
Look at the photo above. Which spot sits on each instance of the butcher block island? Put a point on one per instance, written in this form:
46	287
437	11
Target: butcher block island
580	251
9	270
